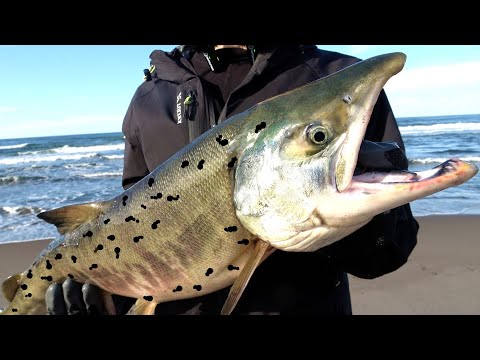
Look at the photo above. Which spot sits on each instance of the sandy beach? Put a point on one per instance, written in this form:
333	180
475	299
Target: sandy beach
442	275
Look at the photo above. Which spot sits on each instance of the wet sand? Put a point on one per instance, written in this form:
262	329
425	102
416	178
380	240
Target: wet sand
442	276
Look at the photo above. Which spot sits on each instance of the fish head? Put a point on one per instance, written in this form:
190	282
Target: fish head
294	182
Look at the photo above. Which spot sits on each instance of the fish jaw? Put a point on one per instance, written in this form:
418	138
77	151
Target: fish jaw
370	194
361	100
379	192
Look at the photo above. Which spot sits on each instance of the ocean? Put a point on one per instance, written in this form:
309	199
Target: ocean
42	173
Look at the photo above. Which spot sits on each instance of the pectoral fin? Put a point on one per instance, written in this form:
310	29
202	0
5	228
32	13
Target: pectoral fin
241	282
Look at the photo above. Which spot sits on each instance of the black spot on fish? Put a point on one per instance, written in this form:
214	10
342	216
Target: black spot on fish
143	206
58	256
230	229
29	274
260	126
154	225
173	198
151	181
197	287
14	310
117	251
221	141
111	237
243	242
24	286
209	271
124	199
148	298
74	259
137	221
106	221
232	162
200	164
70	276
48	266
185	164
94	266
28	295
129	218
99	247
231	267
178	288
48	278
88	233
158	196
137	238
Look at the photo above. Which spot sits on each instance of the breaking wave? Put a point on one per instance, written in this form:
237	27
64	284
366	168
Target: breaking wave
6	180
431	160
440	128
82	149
20	210
19	146
27	159
102	174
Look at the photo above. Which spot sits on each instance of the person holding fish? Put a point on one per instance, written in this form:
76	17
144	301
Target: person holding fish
193	89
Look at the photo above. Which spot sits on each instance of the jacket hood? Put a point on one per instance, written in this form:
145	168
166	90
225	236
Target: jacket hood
171	66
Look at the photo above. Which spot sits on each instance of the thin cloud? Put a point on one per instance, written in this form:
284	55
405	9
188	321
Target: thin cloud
77	119
436	90
7	109
360	49
76	124
437	76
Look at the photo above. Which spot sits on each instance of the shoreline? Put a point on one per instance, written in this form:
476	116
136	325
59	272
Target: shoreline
442	275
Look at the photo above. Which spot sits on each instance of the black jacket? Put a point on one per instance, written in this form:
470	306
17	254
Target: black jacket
287	283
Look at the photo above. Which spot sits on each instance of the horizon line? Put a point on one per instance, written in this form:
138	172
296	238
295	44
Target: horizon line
120	131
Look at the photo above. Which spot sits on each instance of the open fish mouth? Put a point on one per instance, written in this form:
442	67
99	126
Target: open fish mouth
451	172
370	193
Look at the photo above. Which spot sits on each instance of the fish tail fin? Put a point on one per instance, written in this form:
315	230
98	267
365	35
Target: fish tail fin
26	291
26	296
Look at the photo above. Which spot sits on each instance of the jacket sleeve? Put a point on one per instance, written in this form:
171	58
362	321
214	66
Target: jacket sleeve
134	165
385	243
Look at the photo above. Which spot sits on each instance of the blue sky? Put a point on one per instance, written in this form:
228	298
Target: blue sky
78	89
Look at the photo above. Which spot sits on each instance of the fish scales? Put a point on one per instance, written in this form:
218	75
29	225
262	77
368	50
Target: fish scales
168	232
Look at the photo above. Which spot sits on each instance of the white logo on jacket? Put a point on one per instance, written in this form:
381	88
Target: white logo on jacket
179	108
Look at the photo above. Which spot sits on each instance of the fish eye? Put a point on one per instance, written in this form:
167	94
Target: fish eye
317	134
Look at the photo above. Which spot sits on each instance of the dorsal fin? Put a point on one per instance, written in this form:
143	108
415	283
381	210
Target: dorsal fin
10	286
69	217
